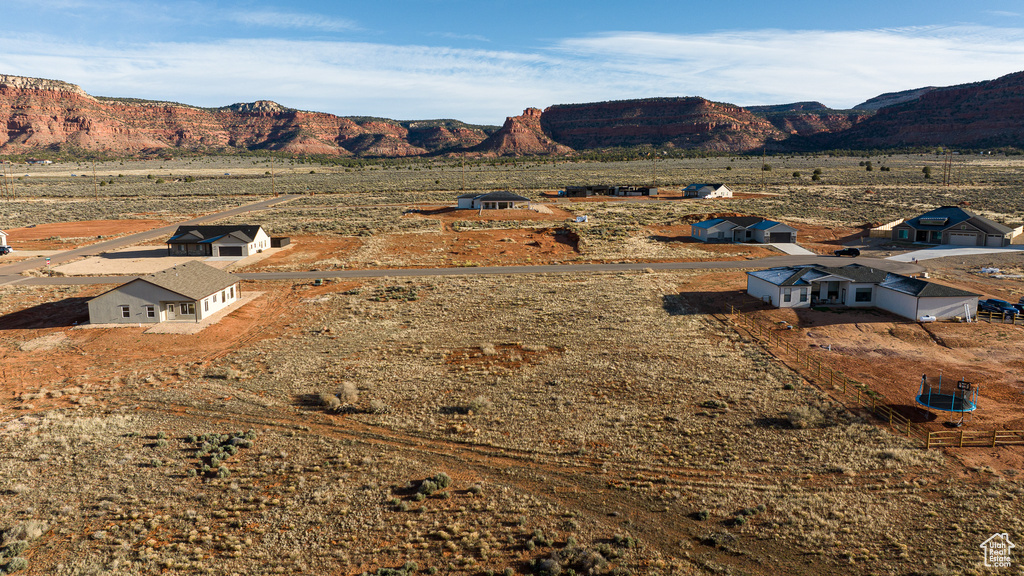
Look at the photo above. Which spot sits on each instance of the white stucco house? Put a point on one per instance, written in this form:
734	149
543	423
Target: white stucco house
707	191
3	238
231	241
188	292
743	229
499	200
859	286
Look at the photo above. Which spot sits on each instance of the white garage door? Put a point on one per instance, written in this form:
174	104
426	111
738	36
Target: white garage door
962	239
996	241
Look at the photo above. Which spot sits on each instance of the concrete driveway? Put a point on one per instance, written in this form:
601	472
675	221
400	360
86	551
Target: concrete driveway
792	249
948	250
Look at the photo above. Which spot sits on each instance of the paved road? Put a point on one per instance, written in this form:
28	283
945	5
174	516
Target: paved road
889	265
950	250
10	272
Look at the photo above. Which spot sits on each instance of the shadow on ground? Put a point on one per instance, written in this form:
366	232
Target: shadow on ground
60	314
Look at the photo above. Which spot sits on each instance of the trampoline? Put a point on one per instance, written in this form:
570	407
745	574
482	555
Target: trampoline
955	397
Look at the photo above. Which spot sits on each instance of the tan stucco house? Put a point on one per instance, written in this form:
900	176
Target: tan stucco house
188	292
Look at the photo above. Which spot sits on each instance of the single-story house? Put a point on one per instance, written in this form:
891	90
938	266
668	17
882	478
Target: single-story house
954	225
602	190
188	292
707	191
3	238
499	200
859	286
240	241
743	229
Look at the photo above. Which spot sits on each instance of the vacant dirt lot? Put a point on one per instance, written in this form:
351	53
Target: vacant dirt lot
603	423
68	235
605	412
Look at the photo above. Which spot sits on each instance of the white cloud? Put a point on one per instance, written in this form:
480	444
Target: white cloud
839	69
292	20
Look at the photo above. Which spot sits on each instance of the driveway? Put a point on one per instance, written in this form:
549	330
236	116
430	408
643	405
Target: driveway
948	250
792	249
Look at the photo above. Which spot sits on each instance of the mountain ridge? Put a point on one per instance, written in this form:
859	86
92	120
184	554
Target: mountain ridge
41	114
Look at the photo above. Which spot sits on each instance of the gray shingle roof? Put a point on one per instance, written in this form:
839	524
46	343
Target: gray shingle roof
955	215
804	275
194	280
921	288
502	196
197	234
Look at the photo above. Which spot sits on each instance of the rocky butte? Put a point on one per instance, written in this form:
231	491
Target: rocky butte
50	114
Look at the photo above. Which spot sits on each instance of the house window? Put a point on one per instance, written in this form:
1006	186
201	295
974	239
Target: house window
187	307
231	292
787	296
125	312
862	295
223	296
150	311
803	295
206	305
903	234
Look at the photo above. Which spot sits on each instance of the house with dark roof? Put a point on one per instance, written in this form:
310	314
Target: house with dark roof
499	200
188	292
743	229
707	191
859	286
217	241
954	225
606	190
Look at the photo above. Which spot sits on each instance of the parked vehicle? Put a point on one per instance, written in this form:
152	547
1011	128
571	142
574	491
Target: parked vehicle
847	252
5	250
998	306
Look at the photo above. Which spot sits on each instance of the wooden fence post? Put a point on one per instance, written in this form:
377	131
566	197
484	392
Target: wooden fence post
961	438
993	438
928	441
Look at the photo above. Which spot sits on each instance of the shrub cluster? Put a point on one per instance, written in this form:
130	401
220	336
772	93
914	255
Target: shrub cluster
214	449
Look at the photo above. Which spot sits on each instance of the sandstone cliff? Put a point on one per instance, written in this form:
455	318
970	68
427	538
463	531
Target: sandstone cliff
51	114
979	115
681	122
522	136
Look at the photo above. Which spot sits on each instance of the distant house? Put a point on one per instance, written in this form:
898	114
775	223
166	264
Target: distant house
603	190
3	238
185	293
707	191
232	241
499	200
954	225
743	229
858	286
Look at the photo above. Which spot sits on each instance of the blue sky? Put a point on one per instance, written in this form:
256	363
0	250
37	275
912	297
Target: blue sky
480	61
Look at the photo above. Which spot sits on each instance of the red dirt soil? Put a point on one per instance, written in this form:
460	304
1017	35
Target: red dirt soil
67	235
125	352
889	354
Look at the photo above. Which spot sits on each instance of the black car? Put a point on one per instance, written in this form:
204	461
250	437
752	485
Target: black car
847	252
998	306
5	250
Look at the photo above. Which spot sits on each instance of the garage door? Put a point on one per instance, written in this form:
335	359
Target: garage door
996	241
780	237
962	239
230	250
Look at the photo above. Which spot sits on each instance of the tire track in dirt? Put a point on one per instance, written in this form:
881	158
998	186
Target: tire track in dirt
584	487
